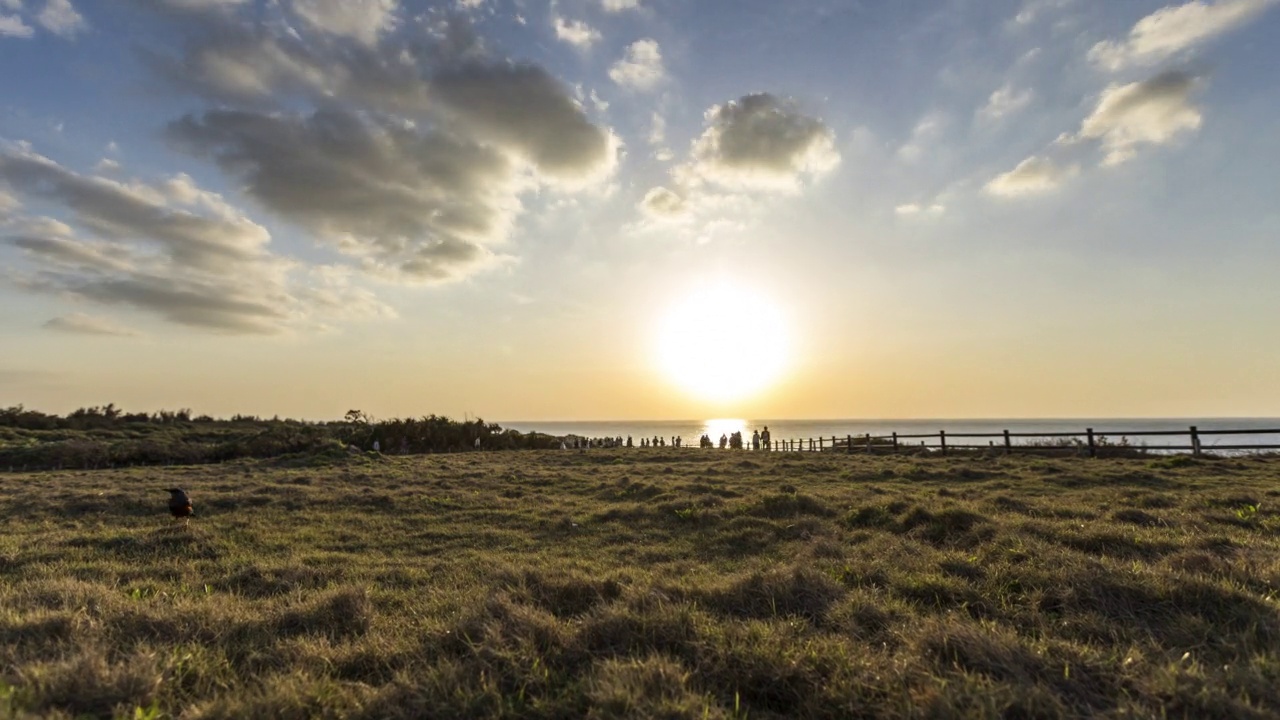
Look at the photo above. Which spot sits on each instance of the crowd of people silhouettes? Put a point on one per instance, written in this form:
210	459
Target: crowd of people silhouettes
760	440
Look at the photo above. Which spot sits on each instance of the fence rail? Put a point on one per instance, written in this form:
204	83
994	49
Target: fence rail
1089	441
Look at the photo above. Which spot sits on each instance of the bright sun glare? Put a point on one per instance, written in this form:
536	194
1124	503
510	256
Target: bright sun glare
723	342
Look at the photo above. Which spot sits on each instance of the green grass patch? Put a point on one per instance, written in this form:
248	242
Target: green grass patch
548	584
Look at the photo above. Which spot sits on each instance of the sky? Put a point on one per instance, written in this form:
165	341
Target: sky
525	209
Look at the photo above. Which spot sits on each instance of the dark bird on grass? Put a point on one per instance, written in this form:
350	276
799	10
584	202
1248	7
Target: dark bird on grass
180	505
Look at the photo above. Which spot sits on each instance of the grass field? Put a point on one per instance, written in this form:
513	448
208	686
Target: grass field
646	584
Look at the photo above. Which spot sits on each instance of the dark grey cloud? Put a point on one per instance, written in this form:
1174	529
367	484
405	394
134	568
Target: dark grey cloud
754	145
61	249
523	108
423	205
170	249
411	153
188	302
762	141
116	210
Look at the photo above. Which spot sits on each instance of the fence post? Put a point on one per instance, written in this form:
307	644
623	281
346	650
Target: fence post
1093	449
1008	446
1195	441
833	443
895	441
850	440
942	437
868	443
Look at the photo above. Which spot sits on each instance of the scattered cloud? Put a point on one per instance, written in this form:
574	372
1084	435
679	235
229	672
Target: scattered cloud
13	26
8	204
363	20
82	324
525	111
1033	10
662	202
1151	112
1173	29
917	209
925	132
421	208
658	137
576	32
412	158
1033	176
763	142
60	18
750	147
1004	102
170	249
201	4
640	67
657	129
620	5
115	210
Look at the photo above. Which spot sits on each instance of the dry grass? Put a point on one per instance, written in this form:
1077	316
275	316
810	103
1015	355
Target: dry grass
646	584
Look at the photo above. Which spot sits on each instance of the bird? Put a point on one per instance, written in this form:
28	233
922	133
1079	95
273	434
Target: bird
180	504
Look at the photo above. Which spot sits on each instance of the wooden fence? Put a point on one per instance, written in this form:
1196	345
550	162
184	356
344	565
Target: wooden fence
1010	442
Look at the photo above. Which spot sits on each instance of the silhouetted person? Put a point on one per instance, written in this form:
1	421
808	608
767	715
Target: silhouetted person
724	441
180	505
765	438
755	440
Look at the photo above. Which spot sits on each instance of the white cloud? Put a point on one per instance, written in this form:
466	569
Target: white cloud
763	142
82	324
1173	29
8	204
60	17
1150	112
576	33
657	129
925	132
620	5
11	4
1033	176
1004	102
1033	10
917	209
363	20
662	202
12	26
641	67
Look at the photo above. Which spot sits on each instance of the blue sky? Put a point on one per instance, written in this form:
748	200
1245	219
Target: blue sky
958	209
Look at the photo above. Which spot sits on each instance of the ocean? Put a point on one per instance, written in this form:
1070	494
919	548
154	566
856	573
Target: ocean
1114	429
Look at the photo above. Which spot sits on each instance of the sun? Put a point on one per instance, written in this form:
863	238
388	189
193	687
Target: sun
723	342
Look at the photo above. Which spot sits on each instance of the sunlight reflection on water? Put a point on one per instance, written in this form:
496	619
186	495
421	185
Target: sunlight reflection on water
724	426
